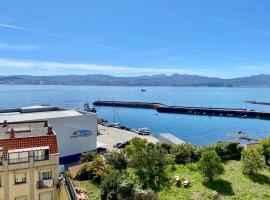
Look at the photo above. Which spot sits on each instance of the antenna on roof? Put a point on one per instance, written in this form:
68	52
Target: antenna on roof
5	124
46	123
50	131
12	133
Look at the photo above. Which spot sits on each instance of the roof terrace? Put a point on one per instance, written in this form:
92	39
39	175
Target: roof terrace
24	129
27	135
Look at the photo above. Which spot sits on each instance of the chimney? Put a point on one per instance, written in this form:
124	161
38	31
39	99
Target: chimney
50	131
46	124
5	123
12	133
1	153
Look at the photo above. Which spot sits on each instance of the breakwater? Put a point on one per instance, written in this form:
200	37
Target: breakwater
259	103
208	111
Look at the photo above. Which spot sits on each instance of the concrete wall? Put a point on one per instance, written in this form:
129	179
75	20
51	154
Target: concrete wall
63	192
65	126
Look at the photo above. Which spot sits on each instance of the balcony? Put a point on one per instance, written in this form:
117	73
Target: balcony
41	158
18	160
45	184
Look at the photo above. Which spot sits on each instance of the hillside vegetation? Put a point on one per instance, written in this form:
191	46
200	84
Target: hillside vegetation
146	171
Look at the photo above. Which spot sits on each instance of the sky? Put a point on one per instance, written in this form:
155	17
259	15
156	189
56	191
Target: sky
217	38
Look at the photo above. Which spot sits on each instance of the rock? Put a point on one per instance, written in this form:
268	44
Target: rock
215	195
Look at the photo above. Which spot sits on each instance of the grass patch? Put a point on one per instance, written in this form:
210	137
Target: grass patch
92	189
231	185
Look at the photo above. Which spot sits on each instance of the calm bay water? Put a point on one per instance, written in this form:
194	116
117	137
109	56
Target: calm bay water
200	130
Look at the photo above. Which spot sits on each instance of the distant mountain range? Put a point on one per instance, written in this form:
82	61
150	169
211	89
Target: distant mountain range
155	80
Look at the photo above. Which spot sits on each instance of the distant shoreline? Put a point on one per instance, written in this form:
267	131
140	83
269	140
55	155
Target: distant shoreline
139	86
175	80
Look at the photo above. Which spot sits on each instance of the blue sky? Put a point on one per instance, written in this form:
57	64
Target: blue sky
221	38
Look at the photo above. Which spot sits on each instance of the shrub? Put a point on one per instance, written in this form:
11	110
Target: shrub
126	189
185	153
117	186
83	173
227	150
210	165
87	157
265	145
67	173
117	160
145	195
252	161
167	147
109	185
95	170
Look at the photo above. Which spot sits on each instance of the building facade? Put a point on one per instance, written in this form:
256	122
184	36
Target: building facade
29	161
76	131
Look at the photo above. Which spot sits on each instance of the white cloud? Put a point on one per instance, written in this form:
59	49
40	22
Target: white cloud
87	68
4	45
31	30
36	67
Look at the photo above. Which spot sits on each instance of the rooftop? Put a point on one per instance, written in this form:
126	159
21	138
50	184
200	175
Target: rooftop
23	129
36	112
27	135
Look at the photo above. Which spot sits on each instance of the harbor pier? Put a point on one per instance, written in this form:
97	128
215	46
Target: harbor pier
208	111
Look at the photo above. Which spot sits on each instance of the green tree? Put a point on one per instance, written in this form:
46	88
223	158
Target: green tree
117	160
210	165
252	161
265	145
185	153
227	150
147	159
88	157
95	170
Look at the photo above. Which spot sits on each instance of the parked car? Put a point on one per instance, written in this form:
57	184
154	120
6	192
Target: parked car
123	145
117	144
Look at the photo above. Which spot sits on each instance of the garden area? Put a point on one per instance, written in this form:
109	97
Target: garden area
146	171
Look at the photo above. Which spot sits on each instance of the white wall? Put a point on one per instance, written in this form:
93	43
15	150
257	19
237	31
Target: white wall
64	127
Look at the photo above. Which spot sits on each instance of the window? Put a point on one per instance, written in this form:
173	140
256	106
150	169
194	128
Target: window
46	175
41	154
18	157
20	178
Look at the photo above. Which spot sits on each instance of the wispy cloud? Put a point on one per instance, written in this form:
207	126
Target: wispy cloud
175	58
4	45
87	68
30	30
105	46
239	26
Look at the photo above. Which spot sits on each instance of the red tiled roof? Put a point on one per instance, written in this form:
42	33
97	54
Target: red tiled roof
74	170
30	142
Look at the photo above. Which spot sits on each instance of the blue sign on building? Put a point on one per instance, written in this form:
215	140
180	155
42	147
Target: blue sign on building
81	133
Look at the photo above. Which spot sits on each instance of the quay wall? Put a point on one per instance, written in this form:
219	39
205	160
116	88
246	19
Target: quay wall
228	112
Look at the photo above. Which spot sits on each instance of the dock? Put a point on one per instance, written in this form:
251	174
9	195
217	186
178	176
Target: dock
207	111
169	138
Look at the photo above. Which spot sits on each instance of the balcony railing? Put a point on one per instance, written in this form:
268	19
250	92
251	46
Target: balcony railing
45	184
18	160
